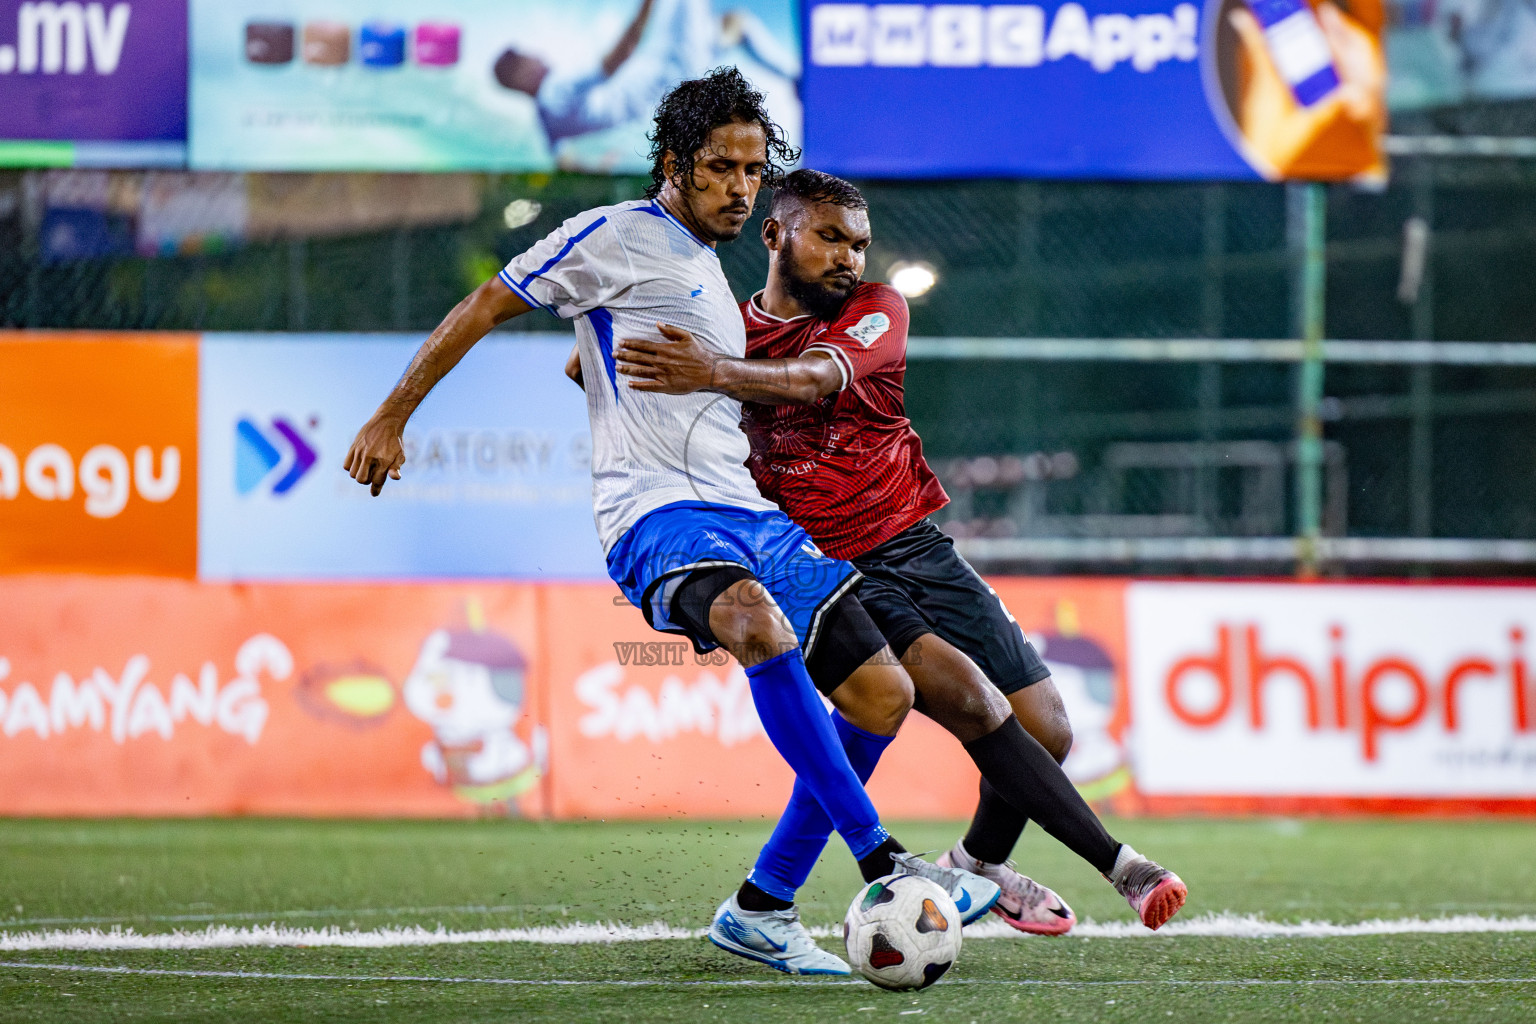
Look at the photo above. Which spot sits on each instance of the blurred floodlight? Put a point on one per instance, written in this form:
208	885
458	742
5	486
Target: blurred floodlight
913	279
520	212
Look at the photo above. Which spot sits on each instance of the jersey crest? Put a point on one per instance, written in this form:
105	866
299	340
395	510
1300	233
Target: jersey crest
869	329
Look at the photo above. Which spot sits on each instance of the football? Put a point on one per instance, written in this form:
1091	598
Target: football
902	932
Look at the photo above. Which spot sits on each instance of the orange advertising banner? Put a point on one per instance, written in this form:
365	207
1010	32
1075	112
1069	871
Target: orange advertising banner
644	728
153	697
98	453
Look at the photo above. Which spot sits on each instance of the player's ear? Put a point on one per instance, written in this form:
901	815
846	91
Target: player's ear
771	229
669	166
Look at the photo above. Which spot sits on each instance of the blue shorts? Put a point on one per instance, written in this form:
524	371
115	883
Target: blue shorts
654	556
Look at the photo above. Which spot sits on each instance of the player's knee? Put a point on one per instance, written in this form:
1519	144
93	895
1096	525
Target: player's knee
745	619
1050	725
763	636
895	700
877	697
1058	739
956	693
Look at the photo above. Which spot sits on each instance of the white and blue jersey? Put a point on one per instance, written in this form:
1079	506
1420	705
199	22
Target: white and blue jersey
618	271
673	464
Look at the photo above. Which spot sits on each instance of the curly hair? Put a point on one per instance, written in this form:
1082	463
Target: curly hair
689	113
808	186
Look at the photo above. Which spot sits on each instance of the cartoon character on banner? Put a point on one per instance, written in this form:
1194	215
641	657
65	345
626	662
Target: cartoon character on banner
1084	674
468	685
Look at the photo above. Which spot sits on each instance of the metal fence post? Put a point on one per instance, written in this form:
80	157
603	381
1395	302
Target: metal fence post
1307	212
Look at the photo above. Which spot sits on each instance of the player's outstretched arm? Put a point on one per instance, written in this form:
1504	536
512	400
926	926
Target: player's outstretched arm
676	364
377	452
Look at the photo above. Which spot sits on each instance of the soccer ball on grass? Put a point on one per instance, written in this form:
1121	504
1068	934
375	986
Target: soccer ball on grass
902	932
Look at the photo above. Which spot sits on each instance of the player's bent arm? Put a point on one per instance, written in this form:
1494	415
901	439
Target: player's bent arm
803	380
676	364
377	452
573	367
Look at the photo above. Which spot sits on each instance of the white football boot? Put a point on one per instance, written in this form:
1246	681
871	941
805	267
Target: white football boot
772	937
1025	904
973	894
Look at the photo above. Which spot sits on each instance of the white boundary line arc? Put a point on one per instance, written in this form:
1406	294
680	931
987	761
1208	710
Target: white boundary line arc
752	982
1226	925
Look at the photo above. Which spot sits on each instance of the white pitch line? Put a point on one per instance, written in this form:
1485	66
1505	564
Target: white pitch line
272	915
752	982
1226	925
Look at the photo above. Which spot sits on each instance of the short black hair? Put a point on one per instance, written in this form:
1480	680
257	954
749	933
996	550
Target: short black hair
808	186
695	108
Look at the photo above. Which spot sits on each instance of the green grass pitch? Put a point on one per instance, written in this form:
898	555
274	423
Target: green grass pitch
160	876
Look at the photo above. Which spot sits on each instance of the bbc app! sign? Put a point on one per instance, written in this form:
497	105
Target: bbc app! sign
1100	88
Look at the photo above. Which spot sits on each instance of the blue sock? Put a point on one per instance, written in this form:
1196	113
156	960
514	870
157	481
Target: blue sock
802	831
797	724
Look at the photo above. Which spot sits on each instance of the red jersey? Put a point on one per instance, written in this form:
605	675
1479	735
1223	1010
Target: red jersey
850	468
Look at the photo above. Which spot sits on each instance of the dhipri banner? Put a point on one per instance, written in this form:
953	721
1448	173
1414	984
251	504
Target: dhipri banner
1100	88
1332	695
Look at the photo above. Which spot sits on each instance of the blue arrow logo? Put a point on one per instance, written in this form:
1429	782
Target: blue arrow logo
258	453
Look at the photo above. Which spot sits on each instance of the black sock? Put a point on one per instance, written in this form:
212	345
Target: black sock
877	863
996	827
1026	776
752	898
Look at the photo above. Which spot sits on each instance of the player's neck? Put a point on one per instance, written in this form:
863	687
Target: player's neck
673	204
776	300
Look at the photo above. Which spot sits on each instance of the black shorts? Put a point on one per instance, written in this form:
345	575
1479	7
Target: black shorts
845	635
917	583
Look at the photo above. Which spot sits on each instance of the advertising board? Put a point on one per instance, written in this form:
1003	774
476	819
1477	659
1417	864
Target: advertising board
98	453
497	480
480	85
1333	696
1236	89
160	696
93	84
138	696
645	728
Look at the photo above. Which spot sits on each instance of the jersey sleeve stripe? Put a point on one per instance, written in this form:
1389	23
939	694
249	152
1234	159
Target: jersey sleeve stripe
839	359
570	243
518	290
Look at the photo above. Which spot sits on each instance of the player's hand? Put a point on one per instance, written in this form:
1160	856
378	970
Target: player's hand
674	364
377	452
1334	137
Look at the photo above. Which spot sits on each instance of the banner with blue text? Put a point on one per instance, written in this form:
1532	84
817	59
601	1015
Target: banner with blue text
1142	89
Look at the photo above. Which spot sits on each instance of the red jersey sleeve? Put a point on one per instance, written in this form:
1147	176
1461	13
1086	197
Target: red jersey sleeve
869	335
